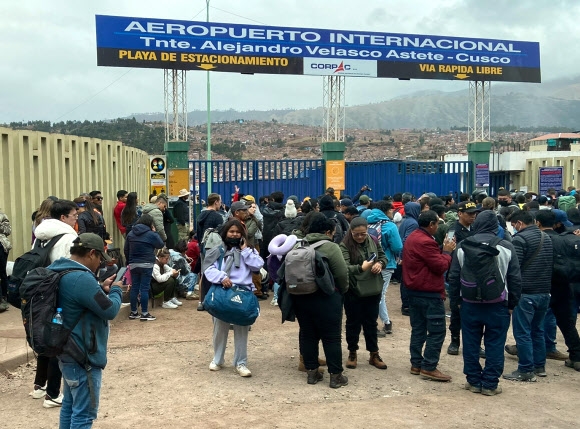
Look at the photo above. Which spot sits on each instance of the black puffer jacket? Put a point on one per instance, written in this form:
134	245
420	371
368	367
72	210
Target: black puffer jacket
536	270
287	225
273	213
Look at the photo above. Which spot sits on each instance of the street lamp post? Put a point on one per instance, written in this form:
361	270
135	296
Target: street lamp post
209	169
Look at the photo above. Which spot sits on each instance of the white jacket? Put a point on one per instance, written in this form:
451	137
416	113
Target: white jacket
49	228
162	278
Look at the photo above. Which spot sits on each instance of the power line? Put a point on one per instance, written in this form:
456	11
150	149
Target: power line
239	16
94	95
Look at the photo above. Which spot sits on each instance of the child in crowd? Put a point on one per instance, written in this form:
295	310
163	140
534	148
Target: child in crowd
164	280
186	280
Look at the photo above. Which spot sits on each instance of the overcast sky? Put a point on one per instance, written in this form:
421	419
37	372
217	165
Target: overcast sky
49	69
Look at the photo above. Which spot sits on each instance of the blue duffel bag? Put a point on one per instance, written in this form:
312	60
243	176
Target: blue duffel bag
237	305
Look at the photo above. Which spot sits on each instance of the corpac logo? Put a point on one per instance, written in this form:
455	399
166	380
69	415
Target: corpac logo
334	67
337	68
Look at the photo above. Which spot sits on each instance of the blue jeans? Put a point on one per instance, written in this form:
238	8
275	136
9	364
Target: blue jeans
383	313
490	321
427	316
81	398
550	331
141	279
528	327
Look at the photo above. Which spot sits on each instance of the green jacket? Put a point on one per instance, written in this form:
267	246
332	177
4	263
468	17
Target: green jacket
359	280
336	263
155	212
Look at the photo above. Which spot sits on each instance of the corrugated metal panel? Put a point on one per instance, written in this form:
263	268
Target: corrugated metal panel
390	177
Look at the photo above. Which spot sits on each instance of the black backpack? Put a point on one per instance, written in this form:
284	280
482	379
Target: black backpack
339	231
566	256
480	278
39	294
38	257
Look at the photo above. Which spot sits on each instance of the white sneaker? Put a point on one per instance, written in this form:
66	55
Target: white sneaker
274	301
38	393
53	402
169	304
176	301
214	366
243	370
188	294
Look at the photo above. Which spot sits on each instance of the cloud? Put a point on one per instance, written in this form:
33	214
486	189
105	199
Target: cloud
49	51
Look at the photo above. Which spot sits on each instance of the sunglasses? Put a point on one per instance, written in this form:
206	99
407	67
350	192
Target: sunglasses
98	198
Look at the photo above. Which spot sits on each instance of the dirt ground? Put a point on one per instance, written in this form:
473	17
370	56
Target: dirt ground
158	376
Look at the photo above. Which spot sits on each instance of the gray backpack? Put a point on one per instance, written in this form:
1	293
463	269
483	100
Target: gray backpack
306	270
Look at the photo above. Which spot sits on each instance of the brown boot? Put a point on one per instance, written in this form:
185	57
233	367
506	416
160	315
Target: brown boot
302	368
376	361
351	361
435	375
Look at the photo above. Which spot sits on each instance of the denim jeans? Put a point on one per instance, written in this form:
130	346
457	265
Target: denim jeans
383	312
528	327
81	398
427	316
189	281
220	341
141	279
490	321
550	331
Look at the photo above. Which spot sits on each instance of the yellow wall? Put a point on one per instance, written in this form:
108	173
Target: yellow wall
36	165
530	177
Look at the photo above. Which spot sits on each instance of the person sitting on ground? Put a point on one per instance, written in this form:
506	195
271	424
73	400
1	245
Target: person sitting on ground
186	280
164	279
243	260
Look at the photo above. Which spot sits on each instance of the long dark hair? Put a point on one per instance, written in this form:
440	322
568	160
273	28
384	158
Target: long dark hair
90	208
129	212
349	242
234	222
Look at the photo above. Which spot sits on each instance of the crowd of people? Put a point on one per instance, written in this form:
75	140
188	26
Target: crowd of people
491	257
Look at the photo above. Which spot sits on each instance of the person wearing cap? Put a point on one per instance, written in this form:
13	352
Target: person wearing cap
93	305
291	219
181	214
365	203
461	228
561	223
345	203
545	202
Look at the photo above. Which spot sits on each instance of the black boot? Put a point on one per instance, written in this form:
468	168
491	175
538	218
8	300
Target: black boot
338	380
453	348
314	376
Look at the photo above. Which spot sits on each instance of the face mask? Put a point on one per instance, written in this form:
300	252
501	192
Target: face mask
503	203
233	242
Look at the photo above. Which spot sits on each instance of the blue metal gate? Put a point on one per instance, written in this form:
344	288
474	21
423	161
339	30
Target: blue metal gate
257	178
390	177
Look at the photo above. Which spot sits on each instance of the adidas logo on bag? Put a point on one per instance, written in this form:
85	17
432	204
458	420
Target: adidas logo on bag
237	299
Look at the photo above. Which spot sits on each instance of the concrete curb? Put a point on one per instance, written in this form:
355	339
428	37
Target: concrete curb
11	361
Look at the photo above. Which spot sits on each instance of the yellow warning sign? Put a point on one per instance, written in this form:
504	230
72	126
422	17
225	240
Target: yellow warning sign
335	175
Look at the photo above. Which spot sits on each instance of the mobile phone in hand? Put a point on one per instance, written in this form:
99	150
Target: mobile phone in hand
372	257
450	235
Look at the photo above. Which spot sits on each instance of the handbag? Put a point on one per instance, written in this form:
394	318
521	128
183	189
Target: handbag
237	305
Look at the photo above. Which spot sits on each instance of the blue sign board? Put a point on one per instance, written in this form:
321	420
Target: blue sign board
550	177
249	48
481	175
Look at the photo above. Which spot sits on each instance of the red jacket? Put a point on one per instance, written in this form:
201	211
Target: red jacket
117	215
424	264
193	252
398	207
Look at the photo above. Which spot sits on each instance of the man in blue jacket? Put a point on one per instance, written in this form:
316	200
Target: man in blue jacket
92	305
393	246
